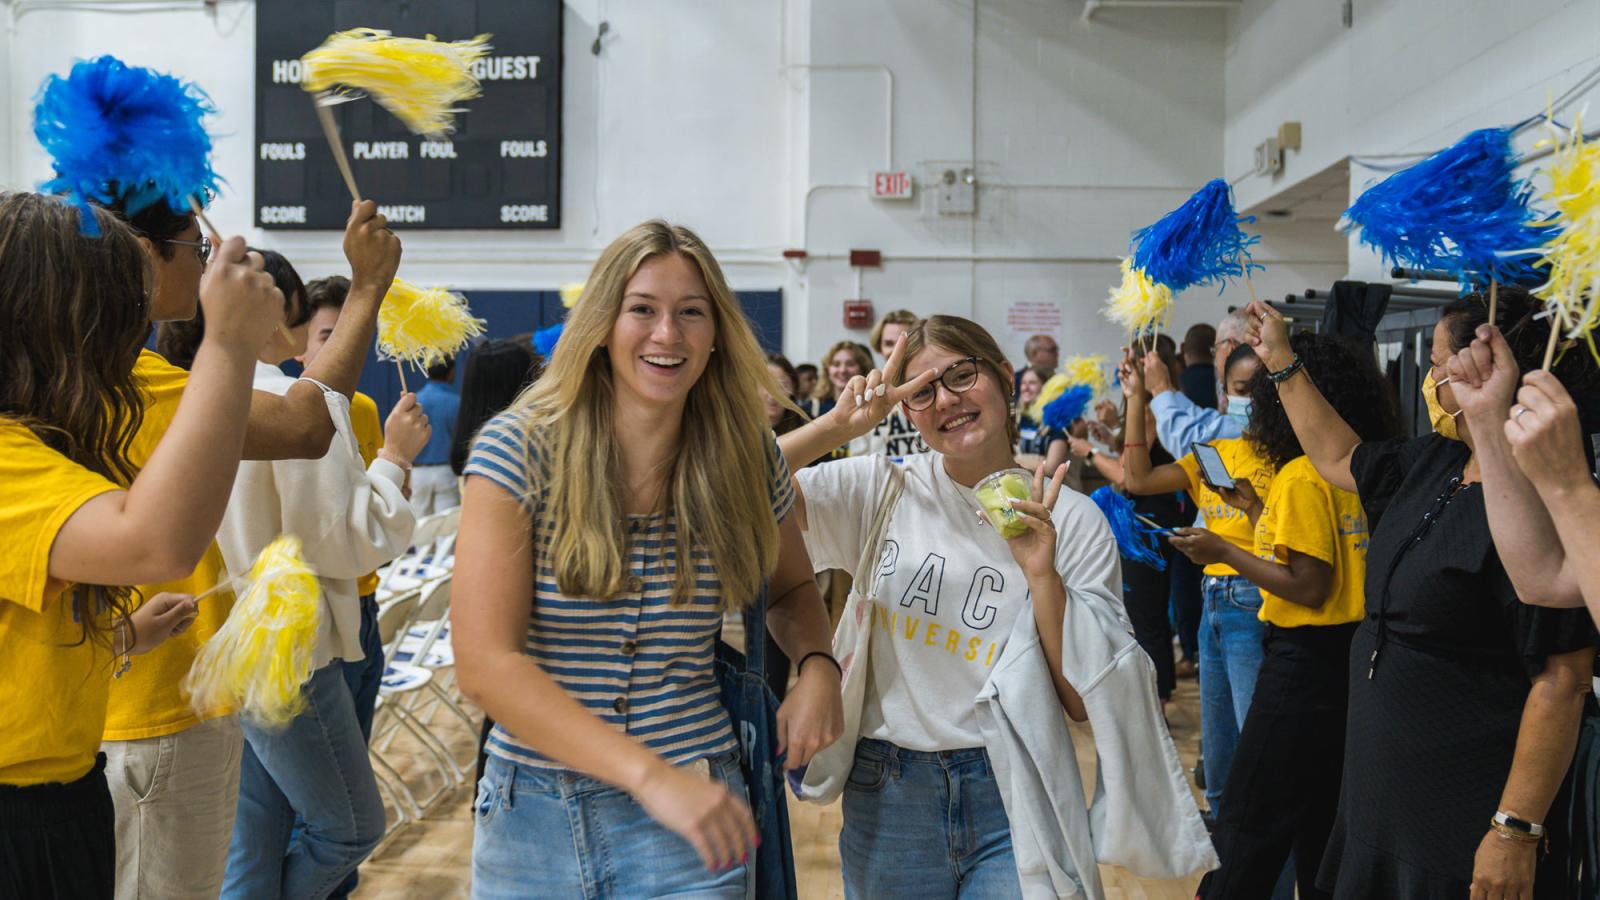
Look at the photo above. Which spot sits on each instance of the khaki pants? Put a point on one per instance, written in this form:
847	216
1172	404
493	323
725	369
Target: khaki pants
175	797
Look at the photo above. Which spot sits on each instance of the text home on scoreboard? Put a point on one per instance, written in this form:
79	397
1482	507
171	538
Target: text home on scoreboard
501	168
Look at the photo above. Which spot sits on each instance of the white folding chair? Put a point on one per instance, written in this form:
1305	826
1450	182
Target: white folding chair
393	618
412	570
402	681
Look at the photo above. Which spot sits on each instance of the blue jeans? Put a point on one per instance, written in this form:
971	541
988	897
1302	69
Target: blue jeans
317	768
556	833
363	677
1231	639
925	826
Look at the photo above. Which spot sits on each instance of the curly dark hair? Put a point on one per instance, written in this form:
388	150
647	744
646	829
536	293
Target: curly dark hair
1347	375
1514	315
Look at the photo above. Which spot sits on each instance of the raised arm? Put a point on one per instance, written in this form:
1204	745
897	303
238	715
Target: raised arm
494	600
295	425
1484	376
1328	440
1138	475
376	522
866	401
1179	421
158	529
1546	442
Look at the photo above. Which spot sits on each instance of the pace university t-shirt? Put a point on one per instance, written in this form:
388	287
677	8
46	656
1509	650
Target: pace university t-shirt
949	588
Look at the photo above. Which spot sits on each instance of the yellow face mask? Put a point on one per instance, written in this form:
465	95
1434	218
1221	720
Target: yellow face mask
1443	421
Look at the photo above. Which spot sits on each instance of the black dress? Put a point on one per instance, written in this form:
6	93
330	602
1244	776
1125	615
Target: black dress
1439	672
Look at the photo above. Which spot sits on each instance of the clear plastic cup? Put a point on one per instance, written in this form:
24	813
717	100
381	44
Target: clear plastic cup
995	493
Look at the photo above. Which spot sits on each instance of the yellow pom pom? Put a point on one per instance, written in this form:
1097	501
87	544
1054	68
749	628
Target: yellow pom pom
570	293
420	81
261	658
1138	304
424	327
1572	293
1090	370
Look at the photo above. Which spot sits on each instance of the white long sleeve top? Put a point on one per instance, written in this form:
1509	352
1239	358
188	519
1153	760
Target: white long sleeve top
351	519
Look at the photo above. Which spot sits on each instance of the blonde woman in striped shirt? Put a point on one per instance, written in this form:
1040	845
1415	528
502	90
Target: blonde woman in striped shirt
613	768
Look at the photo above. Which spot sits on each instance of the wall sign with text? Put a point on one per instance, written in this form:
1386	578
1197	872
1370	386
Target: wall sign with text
501	168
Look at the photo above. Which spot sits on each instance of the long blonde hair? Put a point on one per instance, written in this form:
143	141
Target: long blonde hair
718	483
825	389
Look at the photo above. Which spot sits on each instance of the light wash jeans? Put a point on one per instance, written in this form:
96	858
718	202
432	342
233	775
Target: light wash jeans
175	796
925	826
315	768
1232	643
556	833
364	677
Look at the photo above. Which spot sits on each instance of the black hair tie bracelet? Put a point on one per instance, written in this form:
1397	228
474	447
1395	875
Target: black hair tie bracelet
801	665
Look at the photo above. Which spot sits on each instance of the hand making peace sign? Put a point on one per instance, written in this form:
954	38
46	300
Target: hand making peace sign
868	399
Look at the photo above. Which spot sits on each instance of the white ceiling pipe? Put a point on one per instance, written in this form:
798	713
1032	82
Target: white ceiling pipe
1090	6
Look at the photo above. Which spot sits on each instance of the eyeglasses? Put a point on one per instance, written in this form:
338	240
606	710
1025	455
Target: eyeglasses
958	378
202	247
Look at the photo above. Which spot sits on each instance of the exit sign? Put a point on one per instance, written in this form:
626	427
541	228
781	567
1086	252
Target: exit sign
891	185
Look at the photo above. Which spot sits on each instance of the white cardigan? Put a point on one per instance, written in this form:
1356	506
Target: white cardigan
1144	816
351	519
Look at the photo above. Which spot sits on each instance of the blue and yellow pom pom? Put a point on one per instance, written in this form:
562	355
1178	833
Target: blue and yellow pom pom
1139	304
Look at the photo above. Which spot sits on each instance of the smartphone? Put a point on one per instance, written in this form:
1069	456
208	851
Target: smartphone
1212	469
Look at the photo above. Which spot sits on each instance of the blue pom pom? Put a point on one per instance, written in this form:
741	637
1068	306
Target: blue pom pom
116	132
1461	210
1061	412
1136	541
544	340
1197	243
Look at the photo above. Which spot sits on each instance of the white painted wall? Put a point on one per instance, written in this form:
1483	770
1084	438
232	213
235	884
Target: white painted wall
1408	76
705	112
1079	133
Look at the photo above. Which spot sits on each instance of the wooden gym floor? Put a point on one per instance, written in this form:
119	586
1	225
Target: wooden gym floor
432	859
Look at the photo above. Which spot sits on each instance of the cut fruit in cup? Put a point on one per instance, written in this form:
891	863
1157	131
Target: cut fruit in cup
995	492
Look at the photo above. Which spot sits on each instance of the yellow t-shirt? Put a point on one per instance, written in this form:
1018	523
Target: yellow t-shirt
1308	515
54	683
1233	526
147	701
369	440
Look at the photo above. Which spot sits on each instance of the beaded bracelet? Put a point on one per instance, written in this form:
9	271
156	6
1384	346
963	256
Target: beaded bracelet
1284	374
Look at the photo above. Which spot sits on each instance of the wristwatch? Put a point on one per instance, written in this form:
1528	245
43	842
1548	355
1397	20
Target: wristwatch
1531	829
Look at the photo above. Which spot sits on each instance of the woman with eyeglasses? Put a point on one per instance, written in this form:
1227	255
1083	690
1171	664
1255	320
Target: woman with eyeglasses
1464	703
964	614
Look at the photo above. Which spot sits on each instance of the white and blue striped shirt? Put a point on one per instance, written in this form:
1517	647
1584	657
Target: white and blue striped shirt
641	664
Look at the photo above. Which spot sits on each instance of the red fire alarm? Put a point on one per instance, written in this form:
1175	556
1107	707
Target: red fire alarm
858	314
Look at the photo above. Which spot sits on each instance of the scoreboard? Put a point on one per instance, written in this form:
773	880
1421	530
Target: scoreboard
500	168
